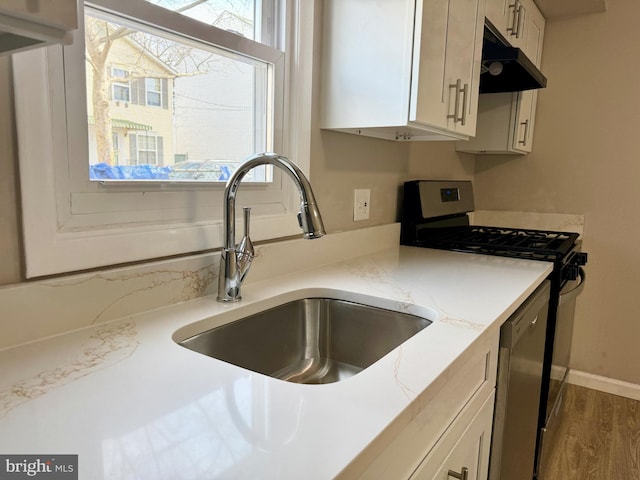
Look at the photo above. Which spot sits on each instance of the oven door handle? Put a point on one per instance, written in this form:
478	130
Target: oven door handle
575	291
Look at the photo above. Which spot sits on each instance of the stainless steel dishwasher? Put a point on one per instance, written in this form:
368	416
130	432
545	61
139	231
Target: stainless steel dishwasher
515	421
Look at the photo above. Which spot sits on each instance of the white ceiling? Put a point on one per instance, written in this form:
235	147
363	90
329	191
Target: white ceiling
562	8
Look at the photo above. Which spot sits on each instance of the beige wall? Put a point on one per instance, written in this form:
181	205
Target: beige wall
587	160
342	162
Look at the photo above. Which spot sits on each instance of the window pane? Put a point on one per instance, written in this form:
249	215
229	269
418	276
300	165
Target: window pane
154	99
121	92
153	88
146	142
211	108
119	73
237	16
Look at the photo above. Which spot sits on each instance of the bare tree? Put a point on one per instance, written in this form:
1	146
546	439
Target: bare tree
99	38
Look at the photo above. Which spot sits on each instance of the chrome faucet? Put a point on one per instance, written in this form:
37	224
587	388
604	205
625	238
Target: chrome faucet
235	260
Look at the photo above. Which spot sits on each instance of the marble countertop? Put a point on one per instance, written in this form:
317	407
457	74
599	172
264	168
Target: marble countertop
135	405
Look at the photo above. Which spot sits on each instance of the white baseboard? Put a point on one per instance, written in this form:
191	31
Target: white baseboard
604	384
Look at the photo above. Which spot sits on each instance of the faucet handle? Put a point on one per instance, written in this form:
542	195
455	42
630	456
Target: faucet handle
245	250
245	247
246	213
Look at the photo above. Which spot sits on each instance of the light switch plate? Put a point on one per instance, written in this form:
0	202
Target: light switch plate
361	204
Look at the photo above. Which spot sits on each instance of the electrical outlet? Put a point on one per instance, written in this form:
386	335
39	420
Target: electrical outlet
361	204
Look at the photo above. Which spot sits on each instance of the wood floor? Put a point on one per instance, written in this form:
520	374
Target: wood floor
598	439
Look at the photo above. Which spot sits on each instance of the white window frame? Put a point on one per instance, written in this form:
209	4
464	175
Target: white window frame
123	84
70	229
148	90
146	135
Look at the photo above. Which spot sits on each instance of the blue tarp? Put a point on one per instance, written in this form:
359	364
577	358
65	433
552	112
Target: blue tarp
203	171
225	173
104	171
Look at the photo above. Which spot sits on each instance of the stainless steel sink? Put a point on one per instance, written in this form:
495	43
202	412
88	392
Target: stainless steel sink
313	340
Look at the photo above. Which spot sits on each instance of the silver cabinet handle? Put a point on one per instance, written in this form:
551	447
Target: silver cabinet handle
463	475
518	31
465	91
456	107
526	132
514	23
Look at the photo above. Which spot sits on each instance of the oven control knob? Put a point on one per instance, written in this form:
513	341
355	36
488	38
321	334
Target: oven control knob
571	272
581	258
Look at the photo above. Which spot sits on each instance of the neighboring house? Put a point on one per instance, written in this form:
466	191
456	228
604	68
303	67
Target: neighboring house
141	105
209	117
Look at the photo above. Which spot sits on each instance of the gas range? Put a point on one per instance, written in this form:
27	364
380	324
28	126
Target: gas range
435	215
542	245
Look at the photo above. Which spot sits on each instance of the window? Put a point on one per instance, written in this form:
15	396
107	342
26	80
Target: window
153	87
146	149
209	104
75	221
121	89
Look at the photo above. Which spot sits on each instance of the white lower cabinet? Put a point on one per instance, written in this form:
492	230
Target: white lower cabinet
448	429
466	454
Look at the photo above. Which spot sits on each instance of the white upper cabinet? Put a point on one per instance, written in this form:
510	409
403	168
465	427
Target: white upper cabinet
506	120
533	34
26	24
526	101
402	70
509	18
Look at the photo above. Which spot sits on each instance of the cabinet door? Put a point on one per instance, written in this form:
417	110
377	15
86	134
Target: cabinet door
524	120
470	453
509	18
527	100
446	64
533	33
500	15
463	60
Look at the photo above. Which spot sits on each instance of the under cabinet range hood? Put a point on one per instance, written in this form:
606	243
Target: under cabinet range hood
506	68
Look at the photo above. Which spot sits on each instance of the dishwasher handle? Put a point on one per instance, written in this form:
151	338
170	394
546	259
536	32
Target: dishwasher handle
527	318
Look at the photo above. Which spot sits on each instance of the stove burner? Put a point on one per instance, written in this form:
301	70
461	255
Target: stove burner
509	242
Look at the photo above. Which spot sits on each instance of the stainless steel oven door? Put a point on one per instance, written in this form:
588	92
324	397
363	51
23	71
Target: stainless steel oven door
559	366
564	334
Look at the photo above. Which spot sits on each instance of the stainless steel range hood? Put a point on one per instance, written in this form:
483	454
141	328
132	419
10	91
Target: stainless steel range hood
506	68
